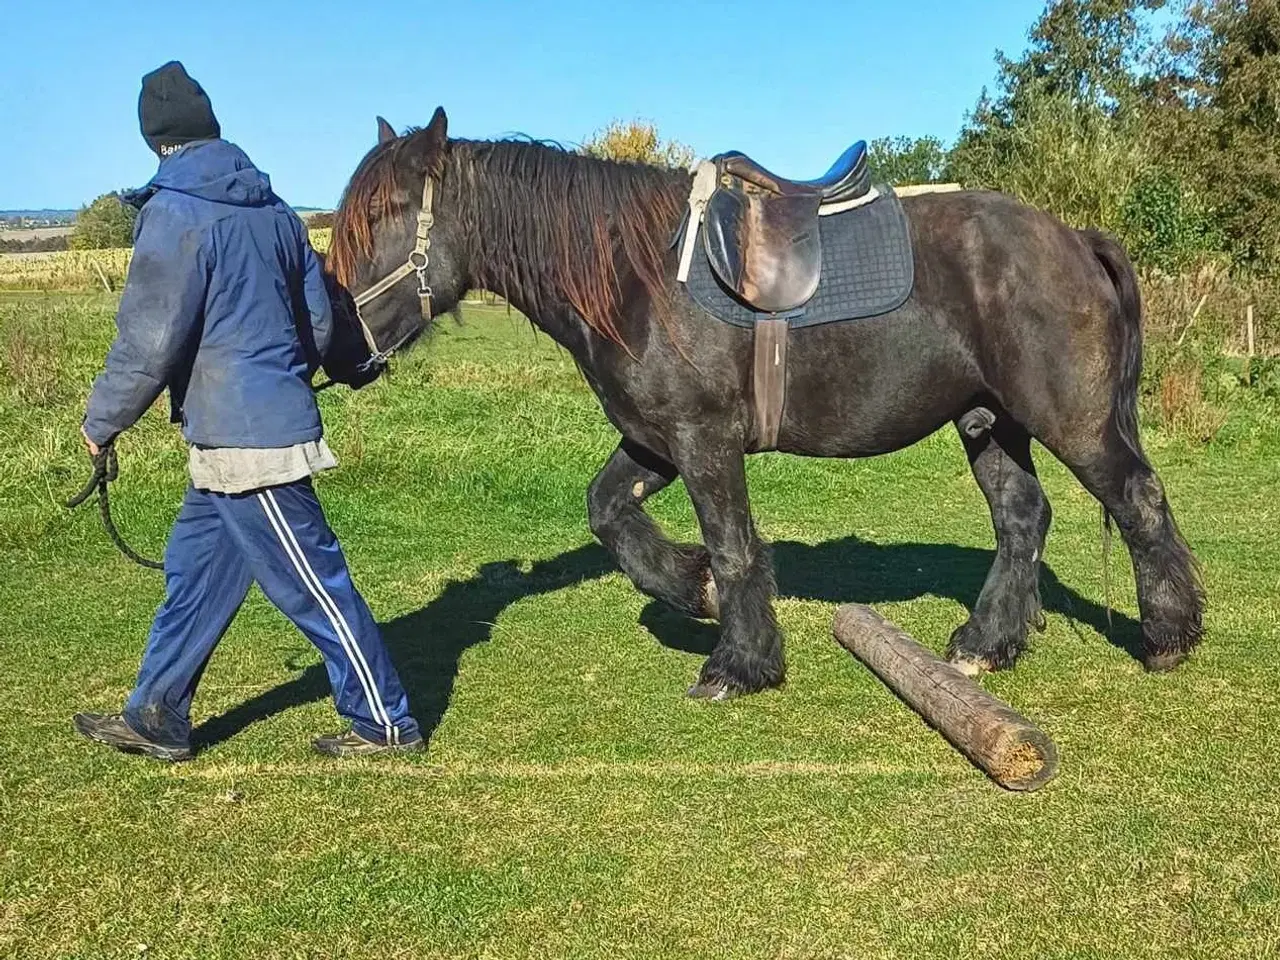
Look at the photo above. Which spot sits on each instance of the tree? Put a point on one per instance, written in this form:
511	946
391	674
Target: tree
1229	134
637	141
107	222
1085	54
902	160
1063	129
1173	145
1089	51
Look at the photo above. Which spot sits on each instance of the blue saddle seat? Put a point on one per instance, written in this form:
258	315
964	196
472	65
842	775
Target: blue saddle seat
848	178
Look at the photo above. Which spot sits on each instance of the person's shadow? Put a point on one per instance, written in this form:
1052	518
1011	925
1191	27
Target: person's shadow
427	646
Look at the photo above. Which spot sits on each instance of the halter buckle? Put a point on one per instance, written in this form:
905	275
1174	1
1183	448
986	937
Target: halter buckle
418	259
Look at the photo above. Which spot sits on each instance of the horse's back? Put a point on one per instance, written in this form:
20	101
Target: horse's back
1007	299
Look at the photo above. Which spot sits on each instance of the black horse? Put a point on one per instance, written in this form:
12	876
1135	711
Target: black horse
1012	312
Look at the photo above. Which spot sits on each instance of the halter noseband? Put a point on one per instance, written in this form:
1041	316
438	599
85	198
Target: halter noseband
416	264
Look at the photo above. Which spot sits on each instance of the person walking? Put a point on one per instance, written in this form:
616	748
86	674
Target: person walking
226	307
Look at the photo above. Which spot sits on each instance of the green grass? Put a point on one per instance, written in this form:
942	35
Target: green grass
572	803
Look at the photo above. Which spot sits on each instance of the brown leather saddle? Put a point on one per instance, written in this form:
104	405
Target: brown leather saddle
761	230
762	240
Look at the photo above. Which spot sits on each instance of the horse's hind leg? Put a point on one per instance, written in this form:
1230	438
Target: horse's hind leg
999	452
678	574
1170	596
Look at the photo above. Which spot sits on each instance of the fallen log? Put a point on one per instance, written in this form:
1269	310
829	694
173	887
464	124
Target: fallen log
996	738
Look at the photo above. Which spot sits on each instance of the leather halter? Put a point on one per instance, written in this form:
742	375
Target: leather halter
415	264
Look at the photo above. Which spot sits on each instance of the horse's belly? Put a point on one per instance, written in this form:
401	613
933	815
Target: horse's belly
866	387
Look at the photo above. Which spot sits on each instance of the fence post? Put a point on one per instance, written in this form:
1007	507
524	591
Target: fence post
1248	323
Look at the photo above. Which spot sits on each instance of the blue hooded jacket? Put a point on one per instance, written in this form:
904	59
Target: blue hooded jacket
225	305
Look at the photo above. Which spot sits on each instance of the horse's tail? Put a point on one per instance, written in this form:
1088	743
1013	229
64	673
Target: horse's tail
1125	334
1126	348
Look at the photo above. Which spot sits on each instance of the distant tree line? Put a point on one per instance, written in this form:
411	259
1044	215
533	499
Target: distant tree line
34	245
28	219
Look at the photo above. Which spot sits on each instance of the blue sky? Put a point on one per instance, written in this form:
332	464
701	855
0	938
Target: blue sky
298	84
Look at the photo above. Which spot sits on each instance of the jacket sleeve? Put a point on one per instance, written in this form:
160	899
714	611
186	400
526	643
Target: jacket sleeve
318	304
160	315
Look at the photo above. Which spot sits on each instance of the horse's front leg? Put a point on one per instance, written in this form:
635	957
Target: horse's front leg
678	574
748	657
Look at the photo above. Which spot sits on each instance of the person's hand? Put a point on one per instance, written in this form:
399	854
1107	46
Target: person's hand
94	449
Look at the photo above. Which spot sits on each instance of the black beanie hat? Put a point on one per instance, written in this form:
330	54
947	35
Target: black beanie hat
173	109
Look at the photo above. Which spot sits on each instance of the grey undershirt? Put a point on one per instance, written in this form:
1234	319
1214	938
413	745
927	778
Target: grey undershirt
240	469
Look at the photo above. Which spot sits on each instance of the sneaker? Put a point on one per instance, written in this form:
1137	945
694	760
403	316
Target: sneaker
351	744
113	730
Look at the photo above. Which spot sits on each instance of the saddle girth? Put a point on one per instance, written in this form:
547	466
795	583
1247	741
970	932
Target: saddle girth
769	380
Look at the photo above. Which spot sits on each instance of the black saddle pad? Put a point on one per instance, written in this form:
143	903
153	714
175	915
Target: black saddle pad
867	270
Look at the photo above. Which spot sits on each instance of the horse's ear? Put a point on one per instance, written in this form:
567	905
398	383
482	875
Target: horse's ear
437	131
385	132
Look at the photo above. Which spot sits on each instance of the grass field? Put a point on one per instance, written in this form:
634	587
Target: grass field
572	803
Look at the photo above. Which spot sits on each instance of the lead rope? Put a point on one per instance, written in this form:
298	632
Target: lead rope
106	468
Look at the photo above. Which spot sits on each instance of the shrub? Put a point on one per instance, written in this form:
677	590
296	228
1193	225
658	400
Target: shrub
902	160
105	224
1165	225
1074	160
1183	409
637	141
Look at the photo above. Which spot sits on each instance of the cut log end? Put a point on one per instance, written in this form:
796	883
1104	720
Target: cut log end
1005	745
1027	763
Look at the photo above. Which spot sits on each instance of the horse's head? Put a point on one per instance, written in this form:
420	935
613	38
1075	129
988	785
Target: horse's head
393	246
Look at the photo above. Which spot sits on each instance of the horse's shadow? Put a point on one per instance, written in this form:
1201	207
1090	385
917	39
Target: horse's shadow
427	645
853	570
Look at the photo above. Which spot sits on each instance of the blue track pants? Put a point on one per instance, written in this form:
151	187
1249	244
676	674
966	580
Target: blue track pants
278	537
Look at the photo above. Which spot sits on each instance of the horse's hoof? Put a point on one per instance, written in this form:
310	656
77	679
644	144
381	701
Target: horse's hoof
715	691
710	599
971	667
1162	662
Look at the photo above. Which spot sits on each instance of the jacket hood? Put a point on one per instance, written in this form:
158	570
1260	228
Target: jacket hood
213	170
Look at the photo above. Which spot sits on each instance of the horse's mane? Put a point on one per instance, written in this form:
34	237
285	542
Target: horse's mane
372	194
554	222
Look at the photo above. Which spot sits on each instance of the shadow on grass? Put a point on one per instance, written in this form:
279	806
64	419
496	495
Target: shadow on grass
427	646
853	570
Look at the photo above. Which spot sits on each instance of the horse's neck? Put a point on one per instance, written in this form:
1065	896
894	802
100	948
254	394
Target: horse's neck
561	323
524	284
523	276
